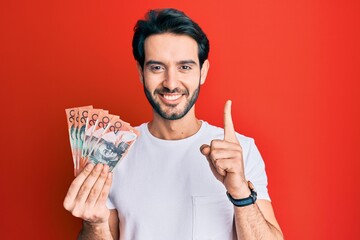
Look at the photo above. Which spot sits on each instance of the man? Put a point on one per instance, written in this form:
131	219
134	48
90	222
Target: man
178	179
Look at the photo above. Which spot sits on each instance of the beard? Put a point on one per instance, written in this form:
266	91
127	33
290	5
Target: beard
174	115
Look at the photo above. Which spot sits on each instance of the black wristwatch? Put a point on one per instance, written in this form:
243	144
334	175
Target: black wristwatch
244	201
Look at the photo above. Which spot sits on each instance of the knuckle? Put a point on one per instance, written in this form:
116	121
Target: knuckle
215	153
103	175
76	213
88	213
96	215
220	170
239	154
95	173
215	143
108	182
212	156
84	189
94	193
217	163
87	170
67	205
103	195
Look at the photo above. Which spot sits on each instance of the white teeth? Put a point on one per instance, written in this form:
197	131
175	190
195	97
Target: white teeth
172	97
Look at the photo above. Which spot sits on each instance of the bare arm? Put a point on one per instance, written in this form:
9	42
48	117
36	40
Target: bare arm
257	221
86	199
106	230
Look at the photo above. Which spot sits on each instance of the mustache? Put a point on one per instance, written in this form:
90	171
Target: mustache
165	90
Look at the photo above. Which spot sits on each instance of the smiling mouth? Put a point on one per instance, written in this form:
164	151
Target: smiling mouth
171	97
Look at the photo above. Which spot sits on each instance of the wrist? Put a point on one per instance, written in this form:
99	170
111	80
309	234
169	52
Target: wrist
241	191
92	230
95	225
244	201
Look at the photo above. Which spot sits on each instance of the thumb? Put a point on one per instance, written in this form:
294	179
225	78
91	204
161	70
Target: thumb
205	150
218	173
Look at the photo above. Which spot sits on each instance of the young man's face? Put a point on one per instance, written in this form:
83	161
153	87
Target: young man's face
171	74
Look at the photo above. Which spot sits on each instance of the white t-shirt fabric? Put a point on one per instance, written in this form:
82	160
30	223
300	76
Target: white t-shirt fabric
164	189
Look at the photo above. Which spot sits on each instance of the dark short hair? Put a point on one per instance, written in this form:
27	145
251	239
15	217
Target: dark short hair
168	21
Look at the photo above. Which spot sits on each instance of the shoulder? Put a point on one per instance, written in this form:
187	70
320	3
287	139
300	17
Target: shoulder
141	127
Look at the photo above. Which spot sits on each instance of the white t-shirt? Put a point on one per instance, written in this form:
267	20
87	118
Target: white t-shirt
164	189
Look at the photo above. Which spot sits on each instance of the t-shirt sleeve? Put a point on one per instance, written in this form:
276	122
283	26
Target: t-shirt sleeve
255	169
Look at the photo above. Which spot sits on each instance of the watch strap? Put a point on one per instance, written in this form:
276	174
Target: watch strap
244	201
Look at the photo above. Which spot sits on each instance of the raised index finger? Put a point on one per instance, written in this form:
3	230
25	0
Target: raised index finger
229	131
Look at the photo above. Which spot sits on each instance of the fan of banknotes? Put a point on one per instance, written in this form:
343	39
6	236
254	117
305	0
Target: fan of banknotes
98	137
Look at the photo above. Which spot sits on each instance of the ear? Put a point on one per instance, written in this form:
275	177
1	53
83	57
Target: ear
140	72
204	70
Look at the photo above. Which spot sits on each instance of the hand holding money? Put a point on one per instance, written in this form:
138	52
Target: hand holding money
98	137
98	141
87	194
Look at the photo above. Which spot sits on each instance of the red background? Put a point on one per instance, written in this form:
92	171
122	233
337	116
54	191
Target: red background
290	67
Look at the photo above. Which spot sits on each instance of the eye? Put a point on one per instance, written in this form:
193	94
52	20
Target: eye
156	68
185	67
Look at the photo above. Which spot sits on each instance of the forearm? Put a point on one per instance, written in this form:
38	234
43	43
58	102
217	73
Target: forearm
99	231
251	224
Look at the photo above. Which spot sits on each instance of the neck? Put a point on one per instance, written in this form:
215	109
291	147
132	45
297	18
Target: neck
174	129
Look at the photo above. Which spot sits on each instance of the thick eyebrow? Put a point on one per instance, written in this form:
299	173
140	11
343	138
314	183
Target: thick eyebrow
153	62
187	62
179	63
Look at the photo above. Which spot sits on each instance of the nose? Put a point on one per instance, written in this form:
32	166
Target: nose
171	79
